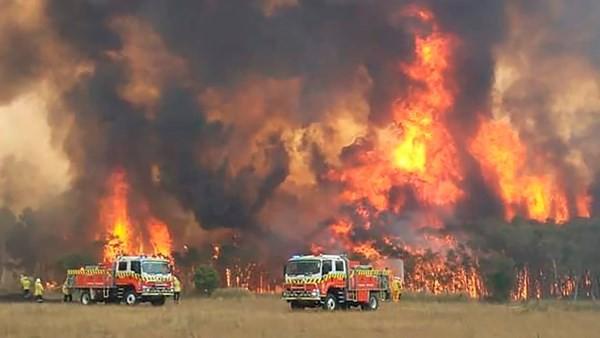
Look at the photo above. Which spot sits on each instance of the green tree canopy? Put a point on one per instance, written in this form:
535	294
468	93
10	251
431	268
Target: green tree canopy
206	279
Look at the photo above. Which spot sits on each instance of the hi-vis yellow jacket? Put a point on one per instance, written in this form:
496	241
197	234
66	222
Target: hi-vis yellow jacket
39	289
25	283
176	284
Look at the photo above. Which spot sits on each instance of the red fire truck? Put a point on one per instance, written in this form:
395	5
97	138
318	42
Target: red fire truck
333	282
129	279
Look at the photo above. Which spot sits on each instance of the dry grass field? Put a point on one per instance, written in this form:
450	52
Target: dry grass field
270	317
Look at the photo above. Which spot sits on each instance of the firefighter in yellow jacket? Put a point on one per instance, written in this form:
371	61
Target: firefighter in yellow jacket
396	289
38	291
25	285
176	289
67	296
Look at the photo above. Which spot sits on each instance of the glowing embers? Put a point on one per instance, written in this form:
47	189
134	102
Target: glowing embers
124	233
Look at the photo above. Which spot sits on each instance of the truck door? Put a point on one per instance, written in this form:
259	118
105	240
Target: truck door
340	269
327	267
122	267
136	267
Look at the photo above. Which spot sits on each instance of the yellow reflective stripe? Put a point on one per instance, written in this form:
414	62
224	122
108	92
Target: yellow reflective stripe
127	274
302	281
88	272
370	272
156	279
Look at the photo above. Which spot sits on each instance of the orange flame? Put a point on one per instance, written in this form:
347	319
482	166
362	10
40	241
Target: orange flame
426	152
125	235
114	215
421	152
522	183
160	238
367	250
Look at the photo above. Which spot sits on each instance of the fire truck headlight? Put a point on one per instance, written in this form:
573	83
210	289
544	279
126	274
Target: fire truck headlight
315	293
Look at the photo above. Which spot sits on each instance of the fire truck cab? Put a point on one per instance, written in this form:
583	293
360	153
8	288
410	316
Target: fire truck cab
131	279
333	282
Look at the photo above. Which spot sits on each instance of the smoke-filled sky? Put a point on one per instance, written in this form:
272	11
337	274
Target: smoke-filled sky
244	114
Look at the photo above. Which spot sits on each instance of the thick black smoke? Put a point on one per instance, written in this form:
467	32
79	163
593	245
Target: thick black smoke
222	43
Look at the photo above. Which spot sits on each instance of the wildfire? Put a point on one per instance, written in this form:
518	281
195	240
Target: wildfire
504	162
419	155
426	153
367	250
416	152
126	235
160	238
423	154
438	275
250	276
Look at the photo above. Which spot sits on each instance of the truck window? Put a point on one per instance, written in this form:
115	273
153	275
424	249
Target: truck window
326	267
122	266
302	267
136	267
339	266
155	267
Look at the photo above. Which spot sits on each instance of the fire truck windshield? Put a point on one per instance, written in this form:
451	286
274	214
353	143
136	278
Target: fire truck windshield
303	267
155	268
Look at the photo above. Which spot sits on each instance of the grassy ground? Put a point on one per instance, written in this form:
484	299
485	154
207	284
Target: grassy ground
270	317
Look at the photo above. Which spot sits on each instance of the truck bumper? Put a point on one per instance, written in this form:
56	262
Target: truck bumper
156	293
291	295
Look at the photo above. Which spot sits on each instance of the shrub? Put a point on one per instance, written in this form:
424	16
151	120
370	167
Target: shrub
498	273
206	279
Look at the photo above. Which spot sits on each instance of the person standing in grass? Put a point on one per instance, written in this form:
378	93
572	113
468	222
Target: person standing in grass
25	285
38	291
67	296
396	289
176	289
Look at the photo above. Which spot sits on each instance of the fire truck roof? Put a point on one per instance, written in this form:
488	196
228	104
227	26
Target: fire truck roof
141	257
300	257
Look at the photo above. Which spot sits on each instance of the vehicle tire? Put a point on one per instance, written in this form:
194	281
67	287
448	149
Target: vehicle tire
331	303
296	306
85	298
130	298
158	301
372	304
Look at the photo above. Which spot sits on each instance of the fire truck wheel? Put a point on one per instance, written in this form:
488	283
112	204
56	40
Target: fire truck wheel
130	298
372	305
330	303
85	298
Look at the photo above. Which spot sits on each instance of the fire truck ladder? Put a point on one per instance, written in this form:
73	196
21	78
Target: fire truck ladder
340	294
120	292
